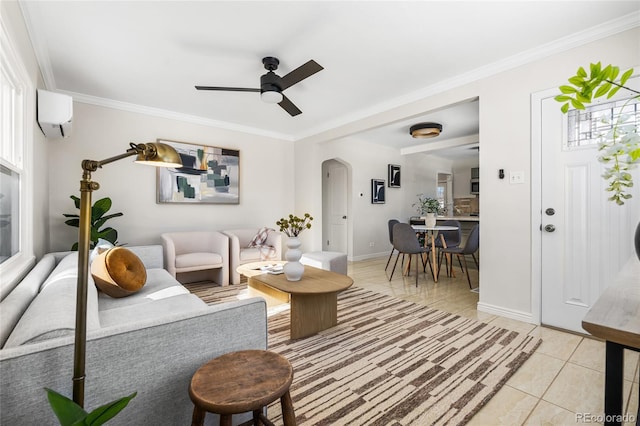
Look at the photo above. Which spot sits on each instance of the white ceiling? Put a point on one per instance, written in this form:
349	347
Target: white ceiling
376	55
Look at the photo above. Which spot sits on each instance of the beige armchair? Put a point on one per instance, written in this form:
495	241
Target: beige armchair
240	252
188	252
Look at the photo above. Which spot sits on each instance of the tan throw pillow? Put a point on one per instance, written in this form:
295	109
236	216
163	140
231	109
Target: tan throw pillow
118	272
260	238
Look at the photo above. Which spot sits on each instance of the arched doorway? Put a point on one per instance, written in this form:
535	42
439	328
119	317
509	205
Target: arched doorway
336	179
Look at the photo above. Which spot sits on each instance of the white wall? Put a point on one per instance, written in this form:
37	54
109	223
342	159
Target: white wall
100	133
12	18
367	222
505	132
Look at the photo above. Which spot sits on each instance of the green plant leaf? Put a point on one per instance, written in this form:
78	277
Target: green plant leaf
108	234
595	69
577	104
628	73
76	201
65	409
100	208
583	98
577	81
564	108
614	72
73	222
562	98
581	72
98	223
106	412
567	89
602	90
613	92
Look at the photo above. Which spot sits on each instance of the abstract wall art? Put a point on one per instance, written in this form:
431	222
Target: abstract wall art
209	175
394	176
377	191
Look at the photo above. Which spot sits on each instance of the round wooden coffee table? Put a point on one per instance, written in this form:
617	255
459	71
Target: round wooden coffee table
242	381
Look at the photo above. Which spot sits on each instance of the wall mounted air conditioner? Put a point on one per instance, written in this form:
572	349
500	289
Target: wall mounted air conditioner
54	111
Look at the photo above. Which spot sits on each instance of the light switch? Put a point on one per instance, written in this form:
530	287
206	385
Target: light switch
516	177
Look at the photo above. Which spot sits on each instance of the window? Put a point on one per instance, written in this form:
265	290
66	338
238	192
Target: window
16	139
584	127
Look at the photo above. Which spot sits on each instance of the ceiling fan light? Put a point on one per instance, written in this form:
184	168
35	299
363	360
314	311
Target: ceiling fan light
271	97
425	130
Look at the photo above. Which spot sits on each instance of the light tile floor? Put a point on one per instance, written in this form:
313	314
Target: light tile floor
561	384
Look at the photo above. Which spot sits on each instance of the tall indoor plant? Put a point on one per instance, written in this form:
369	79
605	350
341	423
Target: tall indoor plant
620	146
98	219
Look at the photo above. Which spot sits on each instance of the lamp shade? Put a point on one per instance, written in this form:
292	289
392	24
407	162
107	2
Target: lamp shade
158	154
425	130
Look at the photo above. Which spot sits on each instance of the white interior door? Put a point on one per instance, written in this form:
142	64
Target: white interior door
335	231
585	238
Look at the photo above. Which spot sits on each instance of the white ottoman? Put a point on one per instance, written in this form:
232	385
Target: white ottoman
327	260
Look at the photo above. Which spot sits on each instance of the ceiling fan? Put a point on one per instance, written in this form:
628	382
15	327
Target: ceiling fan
272	85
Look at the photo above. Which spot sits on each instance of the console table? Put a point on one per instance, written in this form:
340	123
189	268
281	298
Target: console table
615	317
313	299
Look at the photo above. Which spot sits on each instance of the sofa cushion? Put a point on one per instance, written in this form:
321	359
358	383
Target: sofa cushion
16	303
151	309
160	284
118	272
190	260
52	313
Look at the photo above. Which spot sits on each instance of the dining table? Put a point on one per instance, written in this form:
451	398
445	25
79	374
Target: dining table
431	232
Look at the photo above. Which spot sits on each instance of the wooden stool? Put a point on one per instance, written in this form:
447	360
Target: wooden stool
242	381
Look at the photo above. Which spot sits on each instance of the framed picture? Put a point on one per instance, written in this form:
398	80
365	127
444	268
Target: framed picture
394	176
377	191
209	175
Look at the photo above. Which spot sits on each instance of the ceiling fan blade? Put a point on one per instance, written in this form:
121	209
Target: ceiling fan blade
228	89
300	73
288	106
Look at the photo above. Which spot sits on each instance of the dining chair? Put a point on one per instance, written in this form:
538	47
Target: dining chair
470	248
451	238
391	224
405	241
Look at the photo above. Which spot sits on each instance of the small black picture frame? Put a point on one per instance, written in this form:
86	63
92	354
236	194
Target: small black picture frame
394	176
377	191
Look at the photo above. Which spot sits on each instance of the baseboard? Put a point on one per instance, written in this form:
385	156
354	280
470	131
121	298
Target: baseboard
507	313
368	256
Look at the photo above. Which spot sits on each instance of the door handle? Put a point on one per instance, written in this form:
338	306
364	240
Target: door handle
549	228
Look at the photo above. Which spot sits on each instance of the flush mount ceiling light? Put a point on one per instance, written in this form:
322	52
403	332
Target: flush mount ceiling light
425	130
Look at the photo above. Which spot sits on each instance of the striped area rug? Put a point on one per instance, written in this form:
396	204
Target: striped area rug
390	362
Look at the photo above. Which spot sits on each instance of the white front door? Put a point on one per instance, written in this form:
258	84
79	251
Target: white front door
585	238
335	182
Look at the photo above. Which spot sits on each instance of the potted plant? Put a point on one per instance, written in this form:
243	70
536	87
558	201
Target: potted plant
98	219
428	208
292	227
619	147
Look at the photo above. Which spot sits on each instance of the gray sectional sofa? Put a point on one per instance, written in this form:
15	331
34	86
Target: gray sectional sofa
150	342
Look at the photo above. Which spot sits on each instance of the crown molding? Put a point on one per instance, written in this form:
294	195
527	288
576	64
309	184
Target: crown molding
172	115
33	20
571	41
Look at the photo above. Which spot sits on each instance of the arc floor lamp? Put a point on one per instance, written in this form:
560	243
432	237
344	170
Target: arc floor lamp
155	154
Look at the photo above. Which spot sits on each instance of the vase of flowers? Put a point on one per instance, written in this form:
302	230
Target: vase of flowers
292	226
428	208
